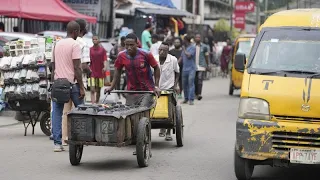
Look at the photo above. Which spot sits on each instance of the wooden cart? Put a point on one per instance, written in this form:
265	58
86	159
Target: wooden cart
168	115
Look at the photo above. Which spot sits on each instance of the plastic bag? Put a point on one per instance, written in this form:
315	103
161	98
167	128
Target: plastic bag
23	91
42	72
23	75
17	92
13	64
35	77
41	60
26	59
29	90
29	74
35	90
43	94
43	84
16	77
5	63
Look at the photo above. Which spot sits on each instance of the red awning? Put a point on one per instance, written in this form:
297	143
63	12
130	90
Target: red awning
46	10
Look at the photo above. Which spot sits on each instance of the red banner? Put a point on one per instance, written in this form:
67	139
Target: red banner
244	7
239	20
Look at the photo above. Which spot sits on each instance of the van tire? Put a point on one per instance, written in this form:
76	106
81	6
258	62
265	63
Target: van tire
243	168
231	87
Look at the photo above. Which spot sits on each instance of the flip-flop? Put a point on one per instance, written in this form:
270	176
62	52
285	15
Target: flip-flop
168	138
162	135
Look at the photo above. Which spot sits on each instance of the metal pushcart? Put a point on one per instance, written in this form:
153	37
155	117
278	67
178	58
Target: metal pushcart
115	125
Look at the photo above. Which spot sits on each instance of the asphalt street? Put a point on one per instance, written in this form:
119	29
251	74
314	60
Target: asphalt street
207	153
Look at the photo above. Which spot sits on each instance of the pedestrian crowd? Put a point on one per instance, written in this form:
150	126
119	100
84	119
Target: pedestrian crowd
158	62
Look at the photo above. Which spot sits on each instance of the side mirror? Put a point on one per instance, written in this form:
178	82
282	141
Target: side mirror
240	61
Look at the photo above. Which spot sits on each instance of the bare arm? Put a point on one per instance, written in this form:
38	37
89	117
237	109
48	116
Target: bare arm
52	71
149	44
116	78
156	75
78	72
176	80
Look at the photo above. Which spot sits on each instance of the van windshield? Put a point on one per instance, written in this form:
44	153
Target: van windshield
244	47
288	50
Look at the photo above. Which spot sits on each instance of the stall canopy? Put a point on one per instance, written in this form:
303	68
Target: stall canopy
165	12
46	10
166	3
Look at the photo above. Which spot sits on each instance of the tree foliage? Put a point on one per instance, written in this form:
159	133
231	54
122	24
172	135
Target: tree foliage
223	26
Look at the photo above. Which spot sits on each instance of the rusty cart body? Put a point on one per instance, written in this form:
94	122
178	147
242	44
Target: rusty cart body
115	125
168	115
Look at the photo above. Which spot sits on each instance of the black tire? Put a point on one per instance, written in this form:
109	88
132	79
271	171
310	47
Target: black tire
45	123
75	154
179	126
143	146
231	87
243	168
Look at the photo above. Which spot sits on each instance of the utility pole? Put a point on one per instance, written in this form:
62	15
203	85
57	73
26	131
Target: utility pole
305	3
231	17
265	9
297	4
258	15
287	4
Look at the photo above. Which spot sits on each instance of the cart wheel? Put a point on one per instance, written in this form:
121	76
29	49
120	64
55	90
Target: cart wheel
231	87
75	154
179	126
243	168
45	123
143	146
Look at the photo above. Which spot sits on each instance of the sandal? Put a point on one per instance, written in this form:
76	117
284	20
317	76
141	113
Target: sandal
162	134
168	138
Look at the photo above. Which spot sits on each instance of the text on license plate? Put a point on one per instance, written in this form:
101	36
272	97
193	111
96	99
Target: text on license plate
304	156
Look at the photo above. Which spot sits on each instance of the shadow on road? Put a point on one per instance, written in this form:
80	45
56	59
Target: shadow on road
159	145
293	173
110	165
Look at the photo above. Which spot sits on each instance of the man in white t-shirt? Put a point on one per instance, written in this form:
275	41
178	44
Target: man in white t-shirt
169	76
85	60
154	49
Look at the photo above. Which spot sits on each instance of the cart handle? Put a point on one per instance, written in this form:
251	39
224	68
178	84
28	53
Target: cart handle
132	92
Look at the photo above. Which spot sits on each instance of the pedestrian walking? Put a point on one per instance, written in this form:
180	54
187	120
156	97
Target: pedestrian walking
66	68
176	52
189	70
155	45
202	62
169	76
85	60
113	55
98	59
146	37
225	57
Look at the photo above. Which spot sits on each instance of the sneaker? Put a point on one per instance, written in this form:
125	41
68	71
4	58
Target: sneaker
191	103
185	102
168	137
58	148
199	97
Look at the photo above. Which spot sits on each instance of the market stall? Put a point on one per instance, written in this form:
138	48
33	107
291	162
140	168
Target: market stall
26	80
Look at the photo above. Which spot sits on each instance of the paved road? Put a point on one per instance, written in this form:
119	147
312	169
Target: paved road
207	154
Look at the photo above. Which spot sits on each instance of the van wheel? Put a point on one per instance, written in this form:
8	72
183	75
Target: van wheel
243	168
231	88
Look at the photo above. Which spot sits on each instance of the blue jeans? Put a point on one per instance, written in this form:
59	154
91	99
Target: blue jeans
188	84
57	111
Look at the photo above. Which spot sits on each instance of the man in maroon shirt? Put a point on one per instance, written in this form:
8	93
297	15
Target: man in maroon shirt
98	56
137	63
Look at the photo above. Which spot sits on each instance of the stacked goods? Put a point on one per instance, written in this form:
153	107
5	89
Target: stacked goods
25	71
